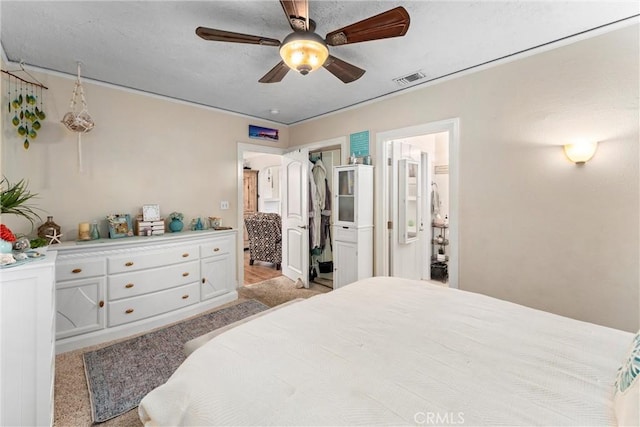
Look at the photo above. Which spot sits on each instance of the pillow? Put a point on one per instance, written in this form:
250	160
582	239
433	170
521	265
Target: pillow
626	398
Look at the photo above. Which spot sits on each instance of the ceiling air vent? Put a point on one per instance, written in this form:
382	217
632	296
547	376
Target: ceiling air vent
411	78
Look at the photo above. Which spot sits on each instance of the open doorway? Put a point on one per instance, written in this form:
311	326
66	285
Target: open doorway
417	203
266	164
261	194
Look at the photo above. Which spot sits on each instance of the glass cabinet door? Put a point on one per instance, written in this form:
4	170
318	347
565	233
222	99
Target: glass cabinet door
346	195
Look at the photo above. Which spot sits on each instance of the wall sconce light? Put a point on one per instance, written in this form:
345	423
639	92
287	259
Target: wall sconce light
580	152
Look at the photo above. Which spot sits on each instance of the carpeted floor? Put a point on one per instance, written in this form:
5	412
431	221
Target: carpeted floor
72	405
281	289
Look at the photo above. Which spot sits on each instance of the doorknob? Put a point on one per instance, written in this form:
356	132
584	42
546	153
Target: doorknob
304	227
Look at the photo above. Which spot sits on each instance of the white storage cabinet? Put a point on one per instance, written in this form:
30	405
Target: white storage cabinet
353	224
27	343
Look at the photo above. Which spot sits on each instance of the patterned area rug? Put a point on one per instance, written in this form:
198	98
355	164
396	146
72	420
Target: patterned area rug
120	375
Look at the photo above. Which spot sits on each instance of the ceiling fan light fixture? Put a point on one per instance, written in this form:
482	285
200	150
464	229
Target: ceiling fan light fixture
304	52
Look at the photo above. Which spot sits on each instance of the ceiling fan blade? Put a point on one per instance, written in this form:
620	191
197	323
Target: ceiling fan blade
297	12
343	70
392	23
276	74
228	36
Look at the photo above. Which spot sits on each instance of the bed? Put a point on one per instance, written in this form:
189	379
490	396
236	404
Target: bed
389	351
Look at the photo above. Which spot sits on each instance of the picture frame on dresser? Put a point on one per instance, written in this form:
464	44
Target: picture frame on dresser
120	225
151	212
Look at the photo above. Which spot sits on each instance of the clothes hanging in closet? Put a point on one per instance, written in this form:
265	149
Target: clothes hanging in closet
314	208
321	204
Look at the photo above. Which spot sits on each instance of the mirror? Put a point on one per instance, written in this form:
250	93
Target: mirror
408	200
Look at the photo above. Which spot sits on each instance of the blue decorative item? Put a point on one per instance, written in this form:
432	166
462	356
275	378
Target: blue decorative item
199	225
5	247
175	225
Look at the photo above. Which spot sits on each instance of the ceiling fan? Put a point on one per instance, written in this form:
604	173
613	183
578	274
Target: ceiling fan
305	51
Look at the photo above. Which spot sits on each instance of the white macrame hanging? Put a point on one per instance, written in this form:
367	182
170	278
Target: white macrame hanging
78	121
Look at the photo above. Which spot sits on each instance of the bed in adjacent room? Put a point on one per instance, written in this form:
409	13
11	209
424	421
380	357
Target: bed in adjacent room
388	351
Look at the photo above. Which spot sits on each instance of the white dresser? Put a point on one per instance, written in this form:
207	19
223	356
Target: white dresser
113	288
27	355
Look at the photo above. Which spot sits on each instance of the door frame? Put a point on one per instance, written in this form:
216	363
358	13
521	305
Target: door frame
382	184
243	147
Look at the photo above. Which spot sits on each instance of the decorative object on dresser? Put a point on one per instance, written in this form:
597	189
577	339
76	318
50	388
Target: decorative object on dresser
149	228
215	222
120	225
150	212
49	229
84	231
150	283
120	375
353	223
175	222
6	239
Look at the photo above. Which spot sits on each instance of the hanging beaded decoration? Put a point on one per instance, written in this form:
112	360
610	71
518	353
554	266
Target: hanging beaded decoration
26	114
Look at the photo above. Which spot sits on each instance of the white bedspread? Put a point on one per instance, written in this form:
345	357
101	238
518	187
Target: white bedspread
388	351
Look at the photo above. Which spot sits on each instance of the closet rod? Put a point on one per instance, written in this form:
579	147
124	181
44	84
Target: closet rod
23	80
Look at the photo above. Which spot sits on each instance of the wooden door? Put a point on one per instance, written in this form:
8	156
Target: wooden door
250	196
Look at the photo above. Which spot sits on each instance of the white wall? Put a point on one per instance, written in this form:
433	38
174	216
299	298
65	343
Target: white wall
143	149
534	228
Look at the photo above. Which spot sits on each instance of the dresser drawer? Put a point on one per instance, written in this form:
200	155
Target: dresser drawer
156	258
125	285
79	268
143	306
218	246
345	234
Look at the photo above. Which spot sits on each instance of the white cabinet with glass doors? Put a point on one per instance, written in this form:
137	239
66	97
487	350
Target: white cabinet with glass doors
353	223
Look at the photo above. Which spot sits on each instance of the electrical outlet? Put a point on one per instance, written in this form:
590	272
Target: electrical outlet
224	204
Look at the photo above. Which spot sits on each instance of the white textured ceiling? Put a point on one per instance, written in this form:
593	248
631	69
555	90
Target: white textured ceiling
151	45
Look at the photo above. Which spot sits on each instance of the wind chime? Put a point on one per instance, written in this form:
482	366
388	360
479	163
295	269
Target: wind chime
78	119
25	105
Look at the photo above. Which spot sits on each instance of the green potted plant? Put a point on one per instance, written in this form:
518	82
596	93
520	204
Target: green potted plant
15	200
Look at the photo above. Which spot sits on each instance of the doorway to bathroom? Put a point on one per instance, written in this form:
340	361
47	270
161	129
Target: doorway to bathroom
417	210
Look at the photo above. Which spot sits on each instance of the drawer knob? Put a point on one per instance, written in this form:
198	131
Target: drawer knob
203	280
185	255
129	285
216	249
76	270
101	304
129	311
185	274
185	296
128	264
